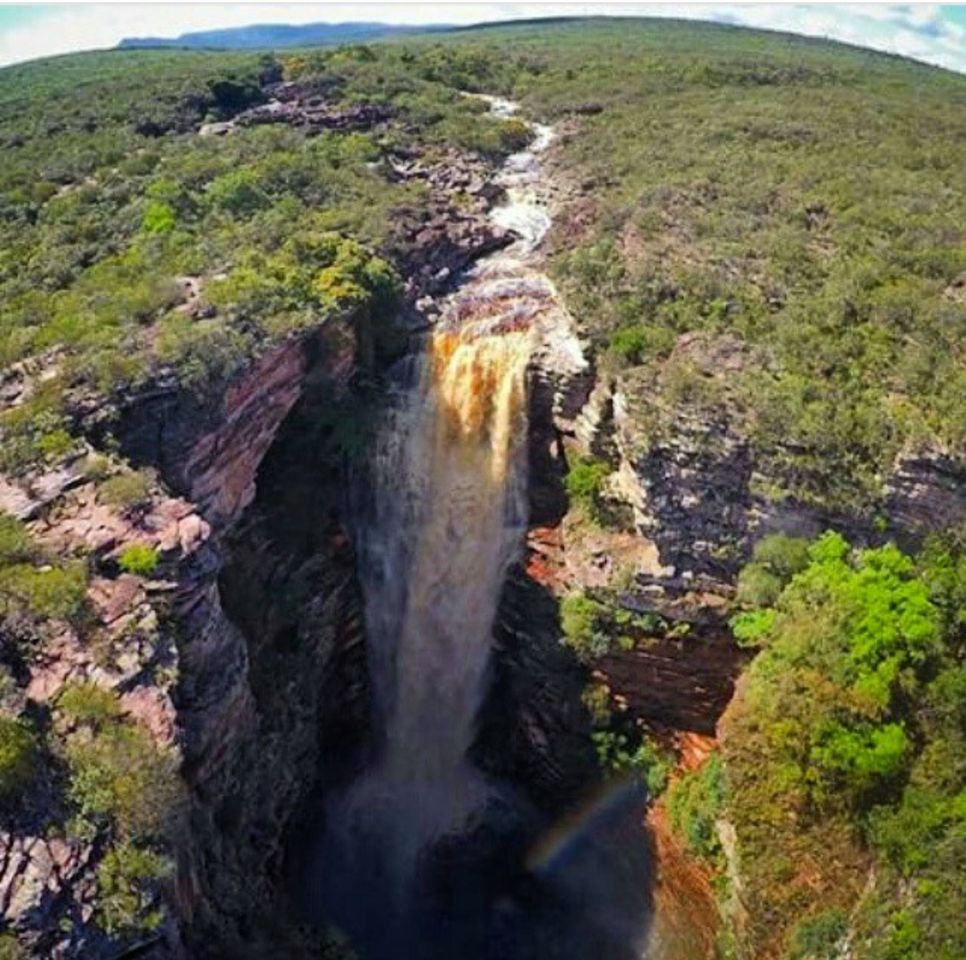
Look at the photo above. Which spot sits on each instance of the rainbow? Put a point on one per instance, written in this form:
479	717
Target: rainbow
609	803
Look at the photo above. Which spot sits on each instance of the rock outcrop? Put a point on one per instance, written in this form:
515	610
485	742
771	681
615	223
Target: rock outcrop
185	652
125	645
307	105
433	244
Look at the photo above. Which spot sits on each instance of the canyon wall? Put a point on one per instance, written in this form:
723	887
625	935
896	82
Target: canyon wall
236	678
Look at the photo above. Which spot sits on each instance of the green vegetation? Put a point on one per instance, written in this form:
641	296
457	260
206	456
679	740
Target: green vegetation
831	253
118	775
129	490
593	626
584	482
33	586
15	545
802	197
127	895
10	948
819	937
139	559
581	619
125	793
88	703
18	758
617	753
775	560
108	195
847	749
695	802
800	201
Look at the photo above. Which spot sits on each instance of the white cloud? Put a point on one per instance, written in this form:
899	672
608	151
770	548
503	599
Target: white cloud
920	31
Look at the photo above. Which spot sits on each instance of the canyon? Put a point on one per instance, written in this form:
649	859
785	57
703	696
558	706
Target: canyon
358	659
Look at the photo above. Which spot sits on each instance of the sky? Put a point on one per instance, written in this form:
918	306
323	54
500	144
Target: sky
932	33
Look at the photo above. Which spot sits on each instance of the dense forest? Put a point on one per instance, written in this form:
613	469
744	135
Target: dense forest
801	203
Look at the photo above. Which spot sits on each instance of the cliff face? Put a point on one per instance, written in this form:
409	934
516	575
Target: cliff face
696	497
203	651
288	587
692	495
247	716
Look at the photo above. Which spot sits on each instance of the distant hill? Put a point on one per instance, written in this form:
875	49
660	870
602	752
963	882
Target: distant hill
273	35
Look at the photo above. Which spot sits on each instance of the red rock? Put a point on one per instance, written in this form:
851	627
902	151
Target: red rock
154	709
113	598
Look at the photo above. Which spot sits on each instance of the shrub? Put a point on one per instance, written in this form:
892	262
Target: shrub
15	546
514	135
645	761
127	895
139	559
128	490
10	948
42	191
18	756
32	433
758	586
87	702
29	588
695	802
96	467
752	627
630	343
854	763
581	618
54	444
783	555
48	592
928	818
584	482
238	192
118	774
202	351
818	937
775	560
158	218
596	698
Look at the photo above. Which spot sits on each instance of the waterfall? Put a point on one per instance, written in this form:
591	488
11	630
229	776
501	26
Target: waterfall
441	515
421	856
445	518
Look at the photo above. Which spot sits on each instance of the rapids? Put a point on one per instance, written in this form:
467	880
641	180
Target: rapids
439	519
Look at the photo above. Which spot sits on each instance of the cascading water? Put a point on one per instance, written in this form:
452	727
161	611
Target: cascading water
446	518
443	516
